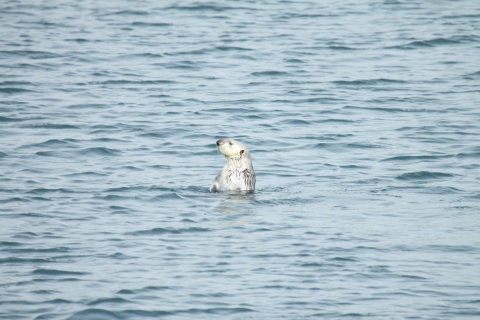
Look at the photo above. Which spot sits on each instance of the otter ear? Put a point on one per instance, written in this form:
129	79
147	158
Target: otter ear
242	151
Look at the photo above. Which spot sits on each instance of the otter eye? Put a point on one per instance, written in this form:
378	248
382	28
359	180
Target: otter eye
230	143
242	151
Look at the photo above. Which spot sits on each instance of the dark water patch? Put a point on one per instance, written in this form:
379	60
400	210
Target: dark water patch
3	155
40	250
131	82
355	167
130	13
112	197
49	190
82	106
271	73
26	235
461	16
424	175
97	314
13	200
21	261
472	76
345	146
30	54
188	52
332	136
53	272
9	119
52	143
207	7
52	154
12	90
370	82
126	291
10	244
452	249
145	55
295	15
99	152
232	48
331	120
17	83
77	40
421	158
161	231
150	24
108	301
296	122
294	60
341	48
50	126
214	311
475	155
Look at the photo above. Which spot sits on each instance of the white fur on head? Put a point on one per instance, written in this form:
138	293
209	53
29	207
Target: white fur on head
231	148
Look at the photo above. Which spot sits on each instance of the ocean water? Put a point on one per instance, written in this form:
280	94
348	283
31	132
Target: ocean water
362	118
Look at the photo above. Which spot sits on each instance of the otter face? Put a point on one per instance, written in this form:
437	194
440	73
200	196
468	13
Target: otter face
231	148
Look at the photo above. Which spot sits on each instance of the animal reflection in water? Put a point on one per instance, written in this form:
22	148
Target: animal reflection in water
236	207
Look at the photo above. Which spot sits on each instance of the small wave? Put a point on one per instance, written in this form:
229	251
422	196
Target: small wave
49	154
423	175
472	76
475	155
131	13
141	83
17	83
159	231
54	272
368	82
393	110
48	143
108	300
345	146
181	65
426	43
14	200
232	48
78	40
81	106
205	8
51	126
8	119
272	73
150	24
147	55
27	261
14	90
296	122
99	151
10	244
30	54
92	313
417	158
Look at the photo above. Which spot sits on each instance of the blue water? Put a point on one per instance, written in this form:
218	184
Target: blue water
362	119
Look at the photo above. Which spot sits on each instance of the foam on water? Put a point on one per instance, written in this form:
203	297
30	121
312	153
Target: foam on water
361	118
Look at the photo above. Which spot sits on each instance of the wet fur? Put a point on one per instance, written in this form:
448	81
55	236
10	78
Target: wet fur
238	173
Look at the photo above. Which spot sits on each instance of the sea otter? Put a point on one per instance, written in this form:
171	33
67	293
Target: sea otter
238	174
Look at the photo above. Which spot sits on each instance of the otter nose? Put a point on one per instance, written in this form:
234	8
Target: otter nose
218	142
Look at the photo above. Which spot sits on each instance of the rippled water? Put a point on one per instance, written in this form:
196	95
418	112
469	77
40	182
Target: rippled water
362	119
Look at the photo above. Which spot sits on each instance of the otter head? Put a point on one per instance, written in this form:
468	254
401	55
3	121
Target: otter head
233	150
